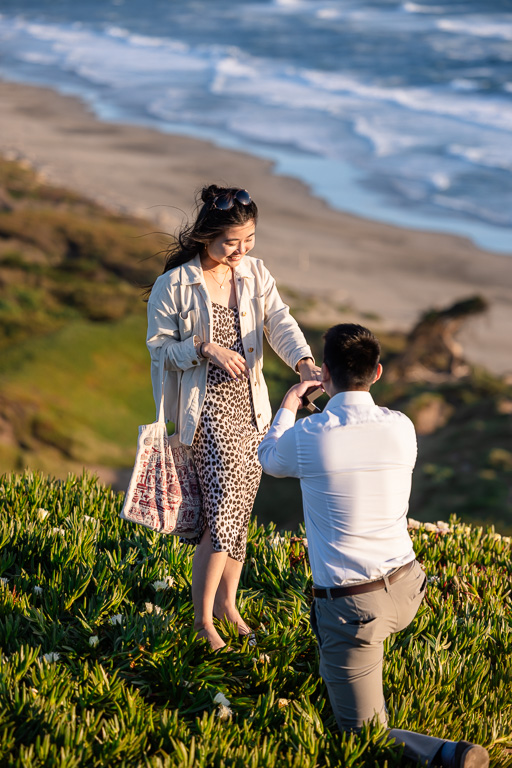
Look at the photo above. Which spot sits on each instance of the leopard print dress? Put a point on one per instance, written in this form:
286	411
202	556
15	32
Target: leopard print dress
225	447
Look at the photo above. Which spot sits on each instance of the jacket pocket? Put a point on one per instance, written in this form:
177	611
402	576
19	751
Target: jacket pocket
188	321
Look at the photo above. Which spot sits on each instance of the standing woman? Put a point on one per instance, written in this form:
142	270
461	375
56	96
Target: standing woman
209	309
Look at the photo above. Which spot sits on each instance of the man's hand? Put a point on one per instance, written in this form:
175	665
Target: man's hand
292	401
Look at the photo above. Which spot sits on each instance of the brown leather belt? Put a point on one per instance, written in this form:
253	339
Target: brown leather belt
367	586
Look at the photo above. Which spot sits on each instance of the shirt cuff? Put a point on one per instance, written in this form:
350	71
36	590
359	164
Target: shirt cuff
192	355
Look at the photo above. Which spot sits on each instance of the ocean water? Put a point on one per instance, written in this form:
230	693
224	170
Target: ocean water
396	111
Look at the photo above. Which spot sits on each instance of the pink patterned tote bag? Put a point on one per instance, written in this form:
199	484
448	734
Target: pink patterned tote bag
164	492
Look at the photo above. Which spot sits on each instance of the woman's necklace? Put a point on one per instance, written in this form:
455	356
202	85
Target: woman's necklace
221	285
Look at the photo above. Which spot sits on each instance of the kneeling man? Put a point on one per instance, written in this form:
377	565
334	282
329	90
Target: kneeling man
355	463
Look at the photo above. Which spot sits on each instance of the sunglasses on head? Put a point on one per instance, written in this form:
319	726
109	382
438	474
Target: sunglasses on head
226	200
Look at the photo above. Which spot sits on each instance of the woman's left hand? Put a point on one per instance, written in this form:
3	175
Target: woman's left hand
308	370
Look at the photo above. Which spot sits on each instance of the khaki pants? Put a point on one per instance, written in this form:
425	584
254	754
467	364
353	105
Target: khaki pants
351	632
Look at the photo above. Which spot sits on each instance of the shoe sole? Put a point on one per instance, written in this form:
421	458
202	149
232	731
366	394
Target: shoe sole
474	757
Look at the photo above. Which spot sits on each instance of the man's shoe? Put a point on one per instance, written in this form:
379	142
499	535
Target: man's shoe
469	755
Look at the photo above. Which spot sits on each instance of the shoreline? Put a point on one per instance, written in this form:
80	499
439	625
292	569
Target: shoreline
365	268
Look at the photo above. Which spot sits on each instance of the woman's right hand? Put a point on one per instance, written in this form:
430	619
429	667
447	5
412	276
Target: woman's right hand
227	359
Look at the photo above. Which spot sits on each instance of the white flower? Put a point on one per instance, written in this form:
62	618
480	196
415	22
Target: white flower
414	524
305	542
505	539
224	713
282	703
186	684
264	657
62	531
430	527
150	608
93	641
51	657
433	579
117	619
443	527
165	583
222	700
495	536
424	536
4	580
42	513
90	519
276	540
37	590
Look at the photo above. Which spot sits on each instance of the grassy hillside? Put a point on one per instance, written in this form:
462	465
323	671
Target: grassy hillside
74	371
99	665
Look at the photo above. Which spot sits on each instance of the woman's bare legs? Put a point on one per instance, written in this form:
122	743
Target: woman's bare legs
215	578
207	569
224	605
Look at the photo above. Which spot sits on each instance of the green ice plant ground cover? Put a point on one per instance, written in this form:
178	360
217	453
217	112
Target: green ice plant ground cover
99	665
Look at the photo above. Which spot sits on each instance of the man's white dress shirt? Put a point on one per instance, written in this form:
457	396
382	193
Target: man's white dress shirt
355	463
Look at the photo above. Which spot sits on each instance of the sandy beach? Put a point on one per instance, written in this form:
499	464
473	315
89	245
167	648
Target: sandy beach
371	269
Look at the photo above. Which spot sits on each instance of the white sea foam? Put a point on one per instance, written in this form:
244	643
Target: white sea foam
463	84
290	3
384	136
441	180
328	13
497	155
479	26
38	58
117	32
418	141
416	8
108	58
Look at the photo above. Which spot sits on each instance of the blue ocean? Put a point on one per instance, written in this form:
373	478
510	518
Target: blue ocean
395	111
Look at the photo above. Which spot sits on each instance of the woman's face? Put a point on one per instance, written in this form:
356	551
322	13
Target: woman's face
234	243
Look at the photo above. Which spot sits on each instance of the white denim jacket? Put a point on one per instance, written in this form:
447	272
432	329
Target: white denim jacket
179	308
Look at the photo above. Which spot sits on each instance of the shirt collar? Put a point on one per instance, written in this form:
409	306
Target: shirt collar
354	397
192	272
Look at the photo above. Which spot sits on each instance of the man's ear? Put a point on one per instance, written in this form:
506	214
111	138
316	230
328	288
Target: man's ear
325	375
378	373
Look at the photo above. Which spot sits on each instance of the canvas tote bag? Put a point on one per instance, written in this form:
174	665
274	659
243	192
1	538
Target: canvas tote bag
164	492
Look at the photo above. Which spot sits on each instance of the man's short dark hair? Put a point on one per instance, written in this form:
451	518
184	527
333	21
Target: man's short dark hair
351	354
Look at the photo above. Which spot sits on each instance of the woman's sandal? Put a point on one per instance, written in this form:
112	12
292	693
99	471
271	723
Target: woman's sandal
252	638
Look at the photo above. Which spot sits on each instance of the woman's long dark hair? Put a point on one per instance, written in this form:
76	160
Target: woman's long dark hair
210	222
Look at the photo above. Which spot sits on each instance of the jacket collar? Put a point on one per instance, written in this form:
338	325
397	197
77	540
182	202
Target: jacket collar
244	268
192	272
